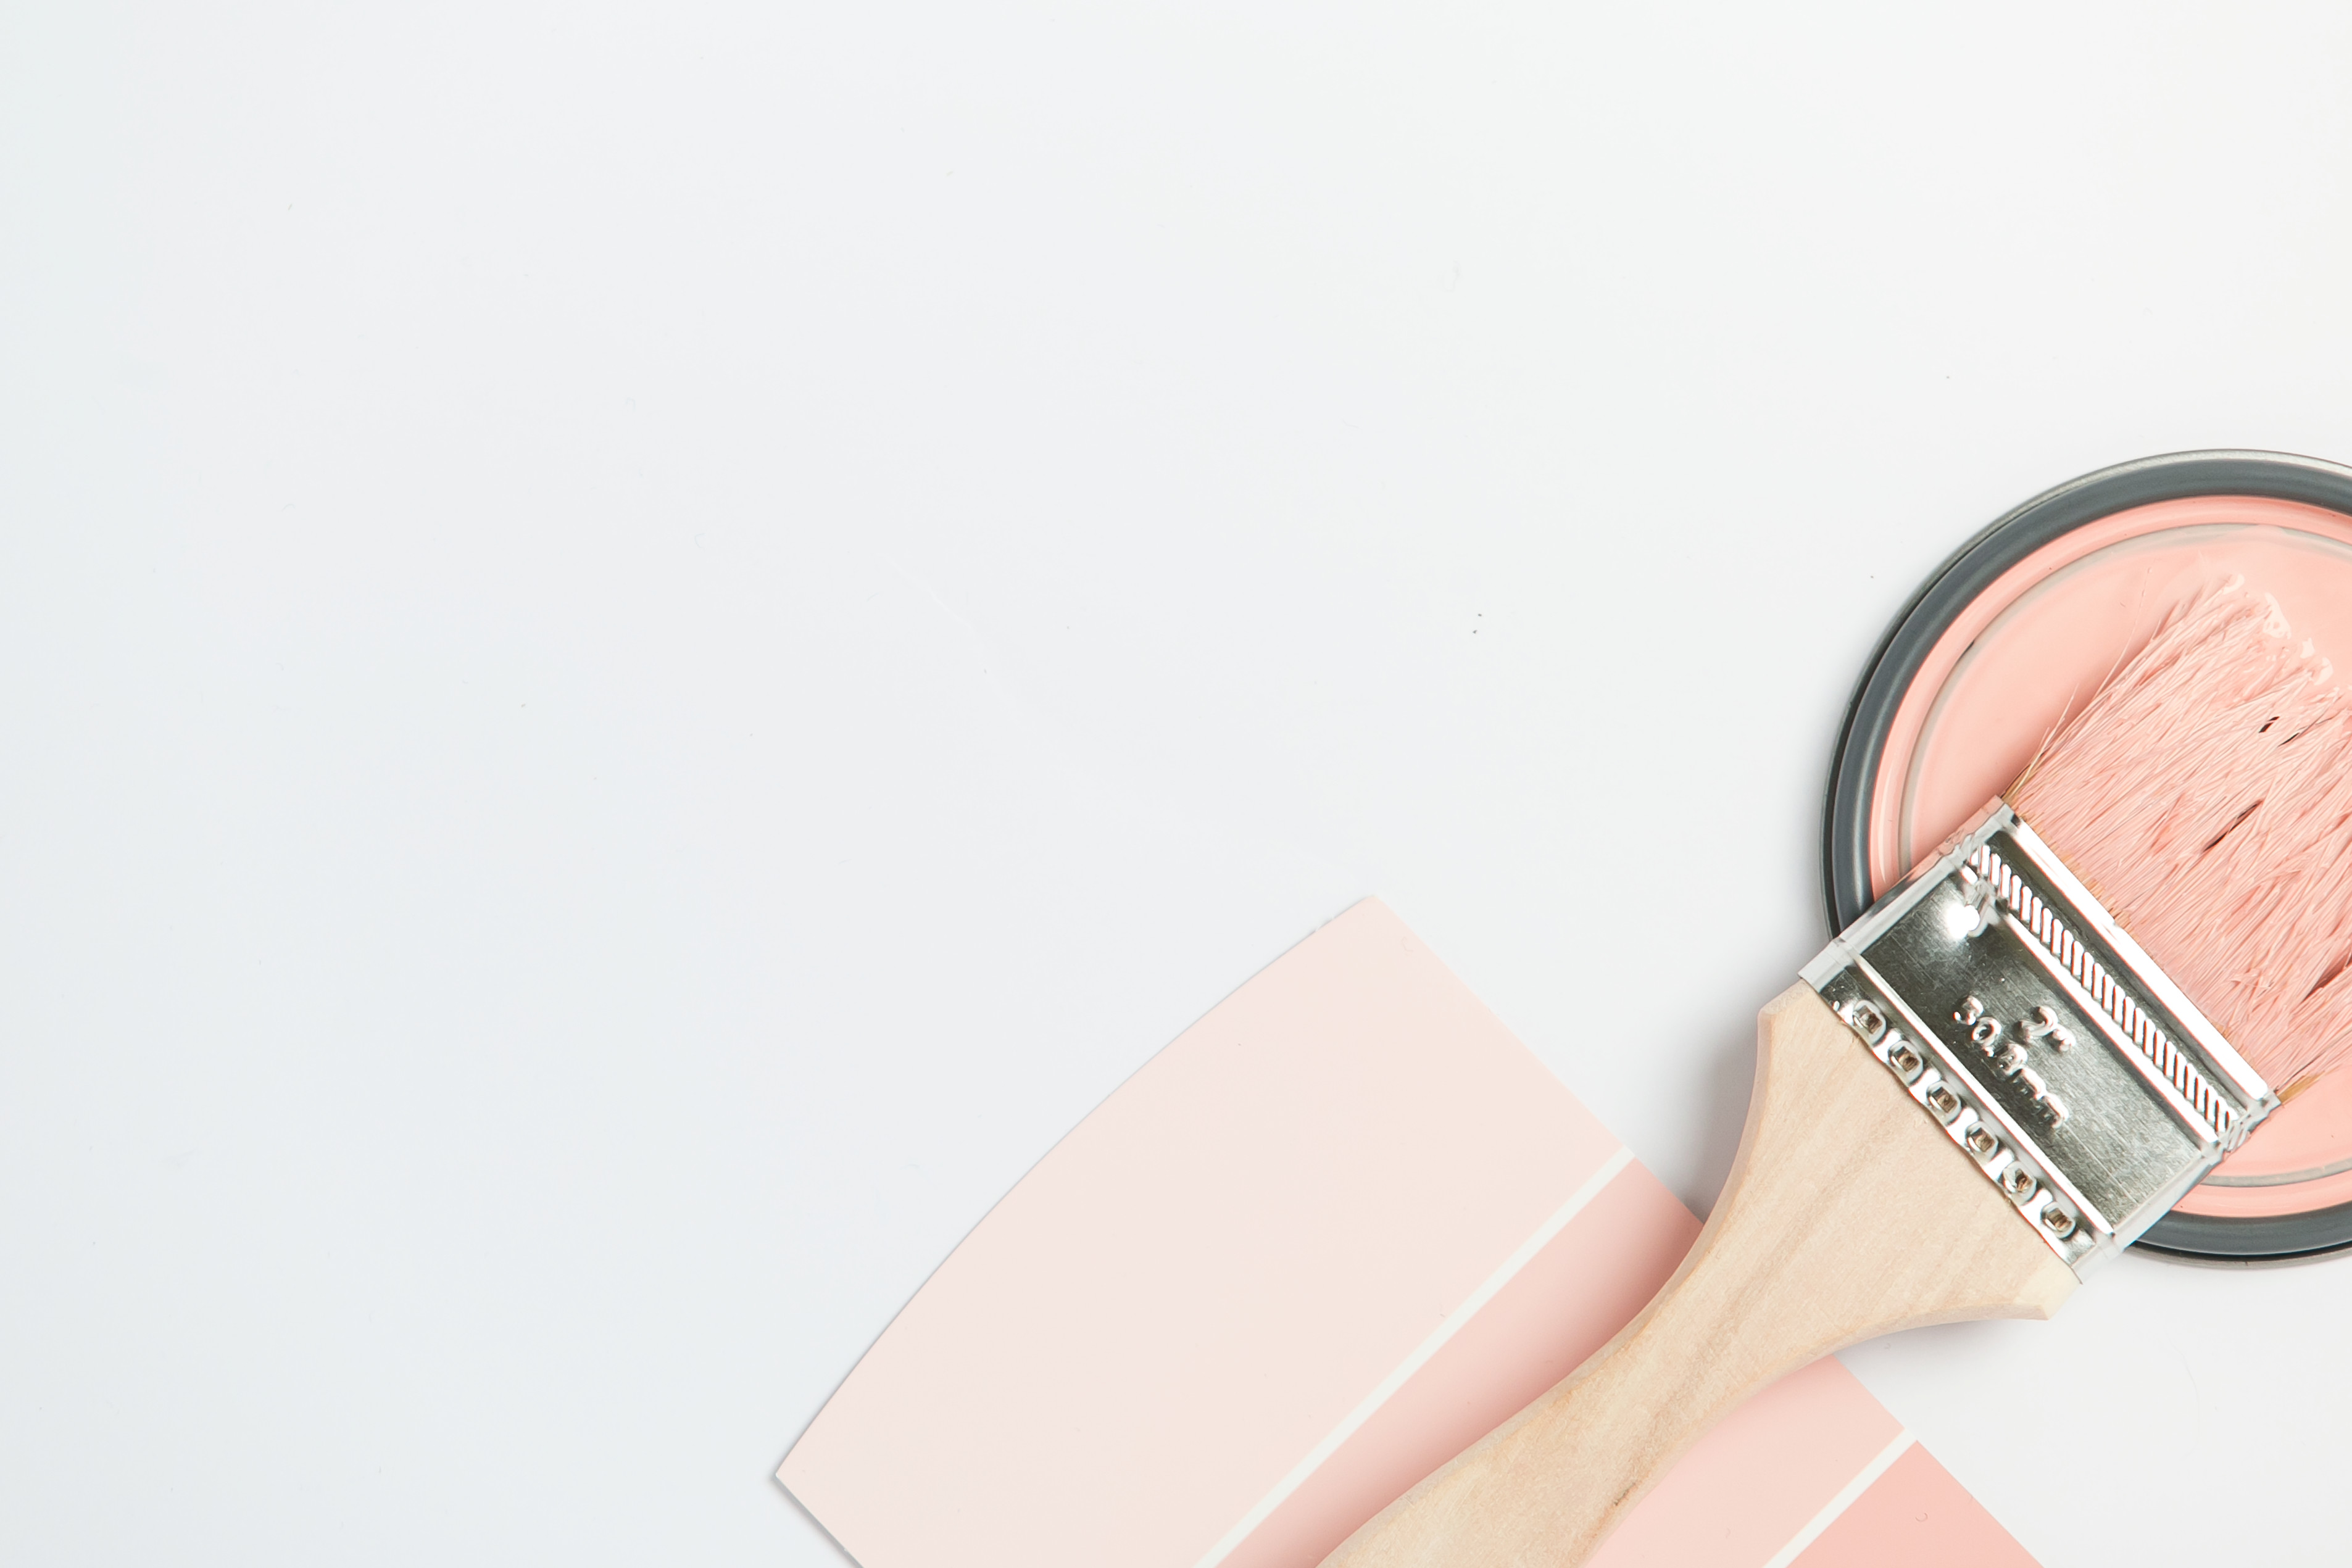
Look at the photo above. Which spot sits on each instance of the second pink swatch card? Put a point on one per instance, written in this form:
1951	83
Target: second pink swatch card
1336	1230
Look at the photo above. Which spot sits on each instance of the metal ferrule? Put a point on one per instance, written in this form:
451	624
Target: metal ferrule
2048	1046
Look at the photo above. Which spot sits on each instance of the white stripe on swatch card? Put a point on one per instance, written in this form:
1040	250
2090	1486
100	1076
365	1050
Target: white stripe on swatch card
1862	1482
1396	1379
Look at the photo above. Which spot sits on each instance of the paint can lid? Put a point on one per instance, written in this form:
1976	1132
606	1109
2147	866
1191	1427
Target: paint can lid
2022	621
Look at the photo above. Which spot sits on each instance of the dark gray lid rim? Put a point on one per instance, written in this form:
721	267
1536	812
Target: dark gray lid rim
1853	766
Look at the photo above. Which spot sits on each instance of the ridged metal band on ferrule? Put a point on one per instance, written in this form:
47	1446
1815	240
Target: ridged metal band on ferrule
2044	1041
2113	1000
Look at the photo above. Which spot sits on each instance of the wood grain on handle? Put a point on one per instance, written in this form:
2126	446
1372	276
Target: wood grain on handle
1848	1214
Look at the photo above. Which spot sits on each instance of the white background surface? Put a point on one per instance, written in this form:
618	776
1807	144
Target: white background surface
641	649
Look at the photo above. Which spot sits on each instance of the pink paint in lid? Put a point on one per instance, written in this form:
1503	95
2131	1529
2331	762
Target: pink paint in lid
2023	624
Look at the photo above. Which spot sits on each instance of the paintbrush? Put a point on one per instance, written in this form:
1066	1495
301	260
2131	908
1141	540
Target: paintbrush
2009	1067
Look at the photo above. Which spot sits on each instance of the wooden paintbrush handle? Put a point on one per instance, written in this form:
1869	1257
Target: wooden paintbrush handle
1848	1214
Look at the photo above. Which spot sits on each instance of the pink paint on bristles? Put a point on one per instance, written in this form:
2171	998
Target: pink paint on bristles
2205	795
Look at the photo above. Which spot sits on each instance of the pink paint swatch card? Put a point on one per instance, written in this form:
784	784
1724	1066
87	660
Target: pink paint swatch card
1339	1230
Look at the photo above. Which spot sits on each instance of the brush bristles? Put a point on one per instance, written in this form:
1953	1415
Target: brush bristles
2205	795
